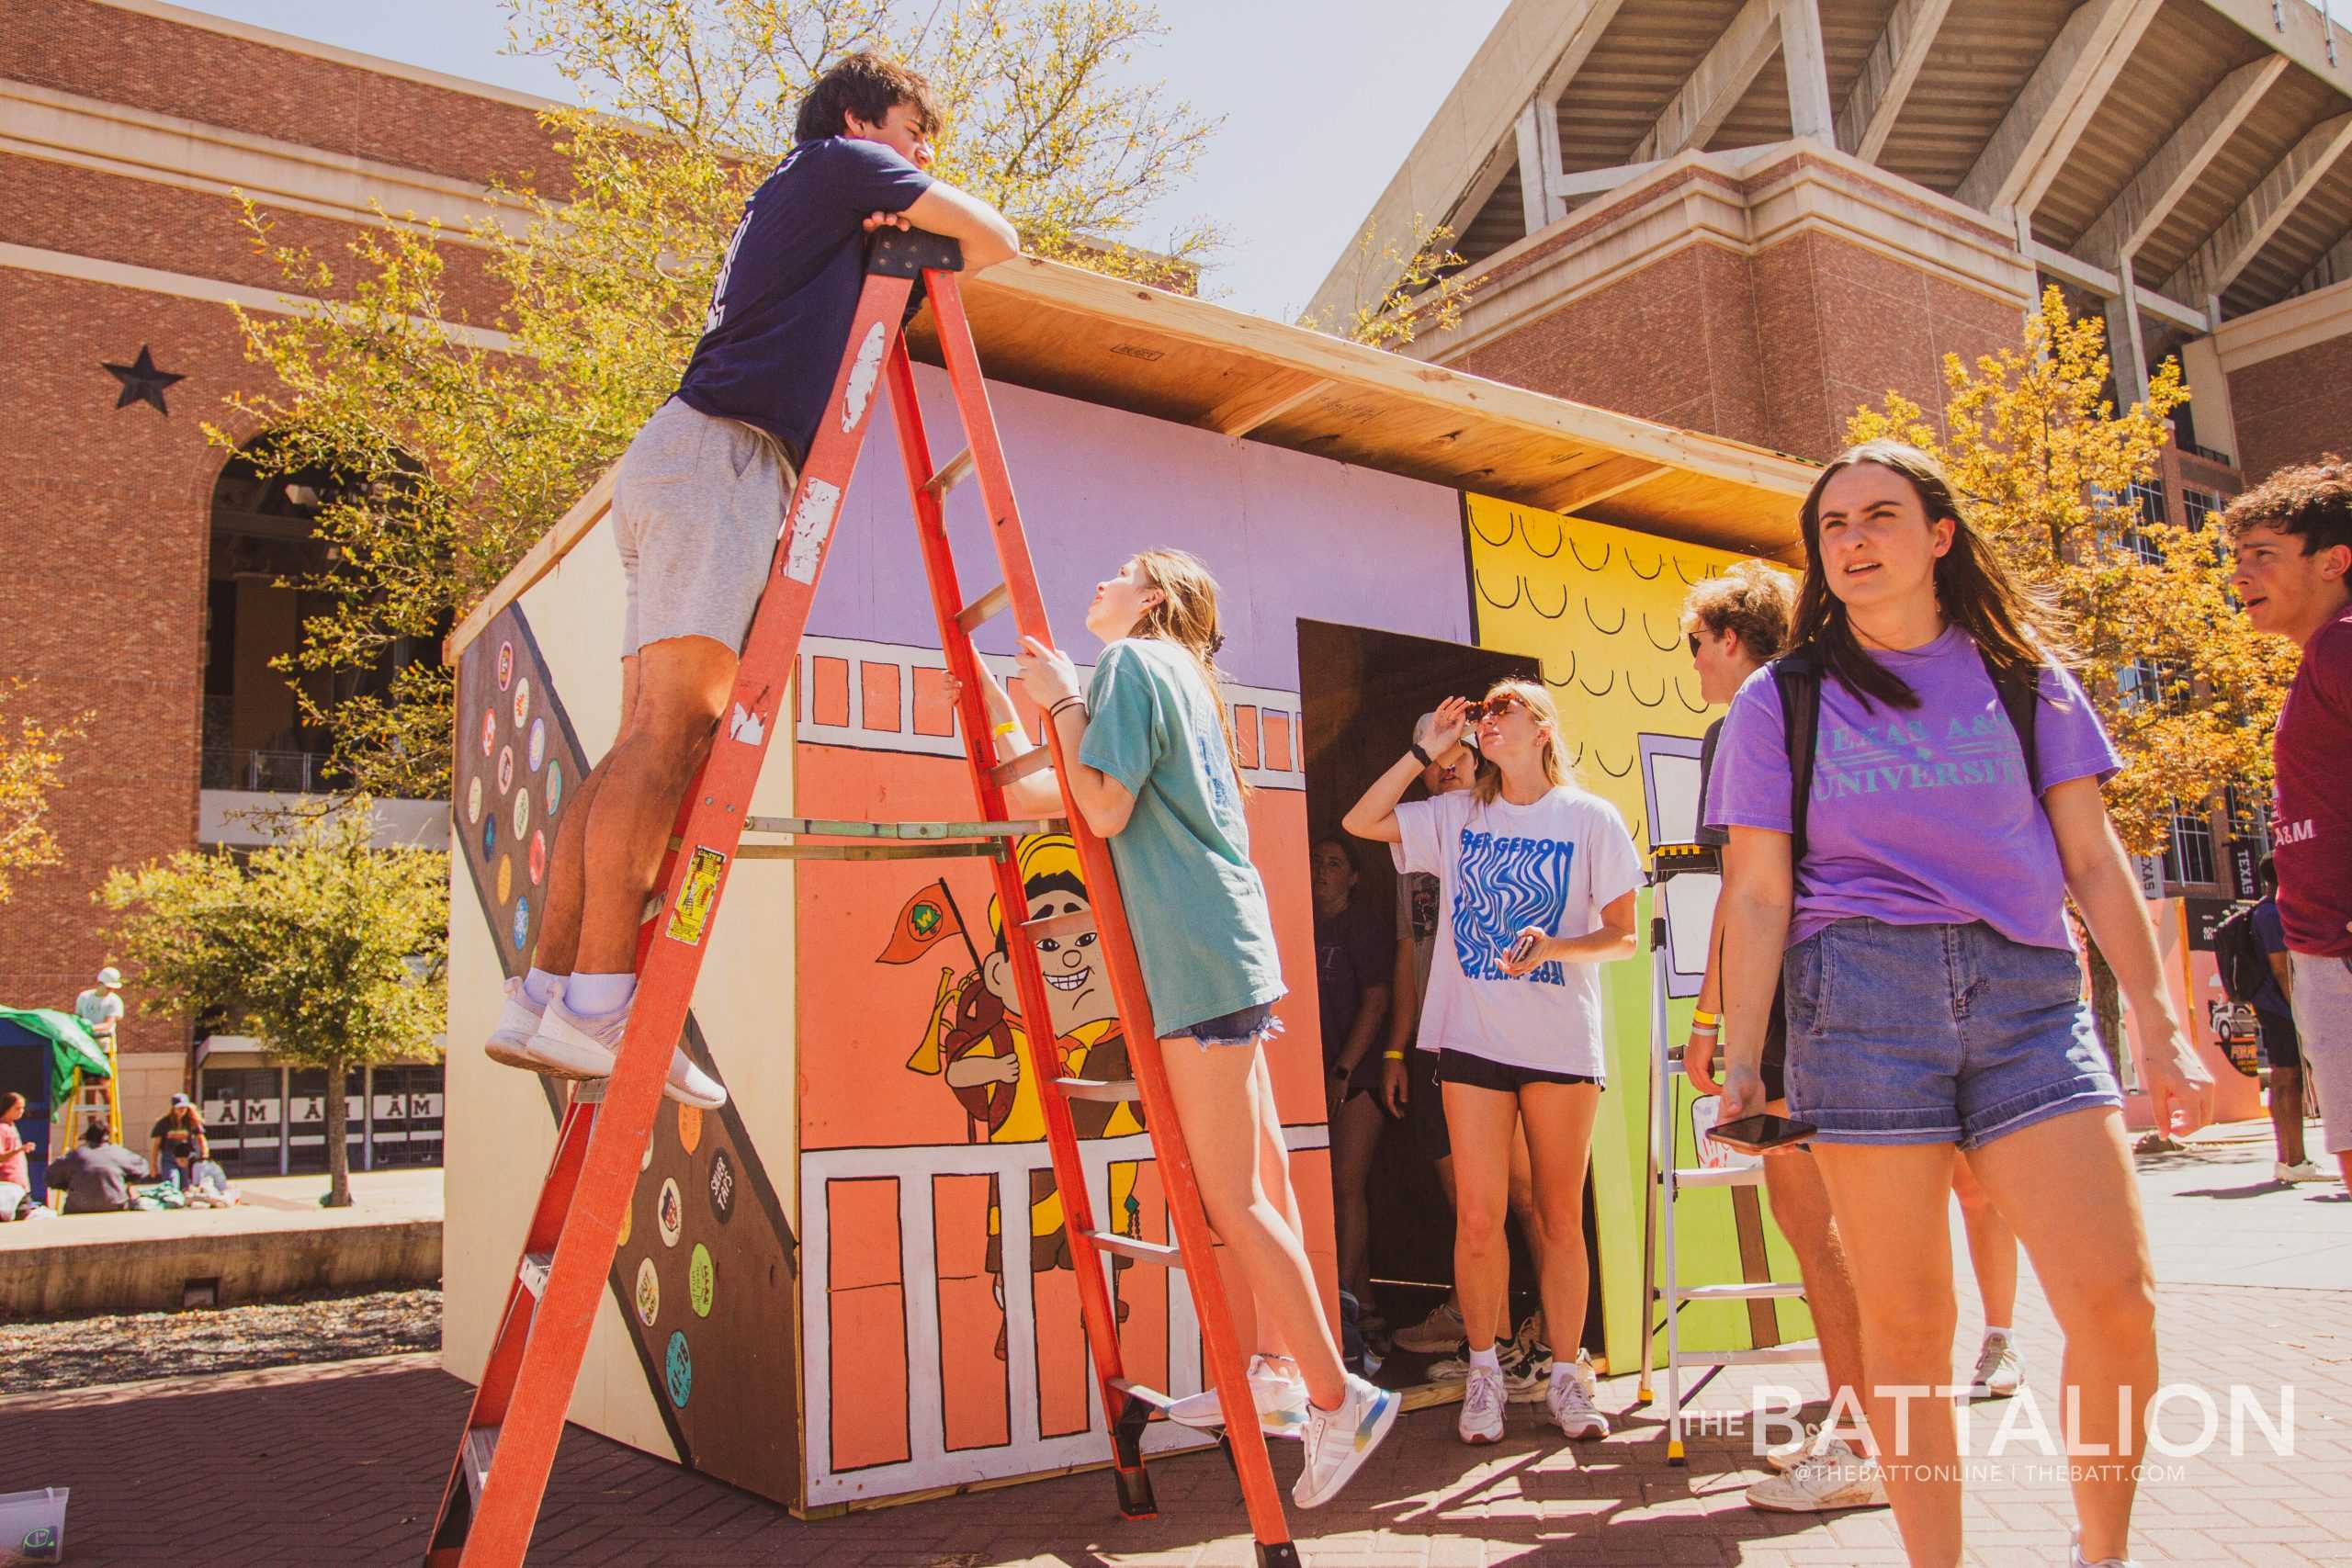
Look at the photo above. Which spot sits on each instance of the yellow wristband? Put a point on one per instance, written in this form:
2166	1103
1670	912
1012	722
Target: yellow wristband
1392	1056
1703	1019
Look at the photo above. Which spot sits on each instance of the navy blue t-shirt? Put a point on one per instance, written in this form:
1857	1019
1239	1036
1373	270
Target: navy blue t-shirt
787	287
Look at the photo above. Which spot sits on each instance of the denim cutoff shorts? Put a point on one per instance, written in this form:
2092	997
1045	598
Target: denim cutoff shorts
1250	1026
1937	1034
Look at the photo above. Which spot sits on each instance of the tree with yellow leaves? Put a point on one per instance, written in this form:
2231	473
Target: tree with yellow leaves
2032	436
452	457
29	758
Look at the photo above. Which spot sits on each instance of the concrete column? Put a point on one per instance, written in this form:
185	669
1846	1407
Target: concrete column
2127	344
1541	198
1806	63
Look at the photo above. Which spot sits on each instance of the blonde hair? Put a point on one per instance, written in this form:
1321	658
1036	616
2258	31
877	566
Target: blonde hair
1546	714
1186	616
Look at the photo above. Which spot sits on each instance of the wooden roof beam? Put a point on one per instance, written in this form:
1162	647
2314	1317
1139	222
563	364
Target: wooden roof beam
1262	401
1610	477
1868	118
2242	235
2034	139
1716	86
2120	232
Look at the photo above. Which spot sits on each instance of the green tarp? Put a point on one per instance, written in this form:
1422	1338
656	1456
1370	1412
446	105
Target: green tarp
71	1049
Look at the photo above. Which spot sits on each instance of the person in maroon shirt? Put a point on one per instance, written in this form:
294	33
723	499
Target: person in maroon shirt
2293	535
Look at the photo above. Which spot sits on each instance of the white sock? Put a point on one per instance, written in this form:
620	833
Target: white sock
1562	1369
1485	1359
593	996
540	986
1992	1333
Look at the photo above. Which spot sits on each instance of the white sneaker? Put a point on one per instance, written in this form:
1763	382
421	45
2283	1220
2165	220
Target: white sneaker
2306	1171
1275	1386
1434	1335
1833	1477
1571	1405
2075	1558
1482	1406
518	1019
1339	1441
1788	1456
1999	1371
568	1046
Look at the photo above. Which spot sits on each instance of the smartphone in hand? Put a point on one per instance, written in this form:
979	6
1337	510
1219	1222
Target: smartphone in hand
1756	1134
1520	950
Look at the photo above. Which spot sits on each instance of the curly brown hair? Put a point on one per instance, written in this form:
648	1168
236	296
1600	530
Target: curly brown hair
2312	502
865	85
1750	599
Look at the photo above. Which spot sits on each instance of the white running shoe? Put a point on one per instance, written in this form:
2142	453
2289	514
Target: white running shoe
1339	1441
1571	1405
518	1019
568	1046
1786	1457
2306	1171
1275	1386
1434	1335
1483	1399
1833	1477
1999	1371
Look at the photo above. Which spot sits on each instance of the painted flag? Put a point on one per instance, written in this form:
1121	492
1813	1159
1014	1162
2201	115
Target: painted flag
928	916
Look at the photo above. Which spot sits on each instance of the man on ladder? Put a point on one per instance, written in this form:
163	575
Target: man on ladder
696	502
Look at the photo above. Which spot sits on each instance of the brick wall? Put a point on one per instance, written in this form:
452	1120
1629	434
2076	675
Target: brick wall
2294	409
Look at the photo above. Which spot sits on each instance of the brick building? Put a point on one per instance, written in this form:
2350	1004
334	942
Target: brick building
142	559
1750	216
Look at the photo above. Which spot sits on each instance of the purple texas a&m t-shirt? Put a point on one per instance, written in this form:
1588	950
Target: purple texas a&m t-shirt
1919	816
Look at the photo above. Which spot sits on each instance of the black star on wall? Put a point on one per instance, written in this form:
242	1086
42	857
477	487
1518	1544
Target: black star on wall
141	382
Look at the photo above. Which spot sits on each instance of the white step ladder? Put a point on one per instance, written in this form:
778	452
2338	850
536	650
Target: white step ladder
1663	1290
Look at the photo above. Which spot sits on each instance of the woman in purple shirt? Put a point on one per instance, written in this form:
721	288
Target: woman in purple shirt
1934	998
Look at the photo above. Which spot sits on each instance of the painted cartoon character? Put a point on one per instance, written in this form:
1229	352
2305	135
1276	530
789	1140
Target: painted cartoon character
975	1033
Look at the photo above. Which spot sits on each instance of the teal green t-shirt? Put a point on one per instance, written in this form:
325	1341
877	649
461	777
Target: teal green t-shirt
1196	905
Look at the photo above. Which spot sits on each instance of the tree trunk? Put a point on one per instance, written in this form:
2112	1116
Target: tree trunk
2107	1011
338	1149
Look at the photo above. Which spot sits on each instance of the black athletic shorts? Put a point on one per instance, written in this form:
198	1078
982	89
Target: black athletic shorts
1477	1072
2281	1046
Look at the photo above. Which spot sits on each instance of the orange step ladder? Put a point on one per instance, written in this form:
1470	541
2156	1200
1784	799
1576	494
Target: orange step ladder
492	1501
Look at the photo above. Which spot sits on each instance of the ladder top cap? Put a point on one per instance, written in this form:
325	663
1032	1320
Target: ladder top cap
910	253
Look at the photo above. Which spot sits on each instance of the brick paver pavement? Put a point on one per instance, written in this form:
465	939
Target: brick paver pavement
340	1465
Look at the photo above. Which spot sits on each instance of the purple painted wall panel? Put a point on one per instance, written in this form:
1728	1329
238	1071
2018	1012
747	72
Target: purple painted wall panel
1288	536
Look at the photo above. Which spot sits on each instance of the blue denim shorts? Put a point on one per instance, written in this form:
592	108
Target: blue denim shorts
1937	1034
1250	1026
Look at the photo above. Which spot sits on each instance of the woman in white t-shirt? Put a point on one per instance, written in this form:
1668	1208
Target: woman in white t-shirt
1537	881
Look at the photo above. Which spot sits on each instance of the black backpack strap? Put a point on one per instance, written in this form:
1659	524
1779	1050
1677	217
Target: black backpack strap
1797	676
2020	694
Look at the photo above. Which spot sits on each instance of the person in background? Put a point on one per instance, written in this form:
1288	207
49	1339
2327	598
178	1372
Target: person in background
15	1177
1408	1086
2292	540
97	1178
2282	1049
177	1141
1352	976
100	1007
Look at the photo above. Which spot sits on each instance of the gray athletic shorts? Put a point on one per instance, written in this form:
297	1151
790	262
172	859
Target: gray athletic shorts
2324	1018
697	505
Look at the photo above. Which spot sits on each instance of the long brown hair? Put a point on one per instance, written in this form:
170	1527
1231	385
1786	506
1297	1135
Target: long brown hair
1186	616
2020	631
1488	784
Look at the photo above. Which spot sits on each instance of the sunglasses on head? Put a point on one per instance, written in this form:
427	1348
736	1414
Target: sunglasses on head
1497	705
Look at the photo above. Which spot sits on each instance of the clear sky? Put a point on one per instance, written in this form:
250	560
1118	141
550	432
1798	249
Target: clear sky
1321	100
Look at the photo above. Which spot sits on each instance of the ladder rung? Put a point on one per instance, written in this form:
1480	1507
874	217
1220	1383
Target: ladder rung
958	469
1117	1091
828	827
1719	1175
1141	1251
1767	1291
1802	1351
481	1443
589	1091
1163	1403
1036	760
989	850
1057	926
533	1272
985	608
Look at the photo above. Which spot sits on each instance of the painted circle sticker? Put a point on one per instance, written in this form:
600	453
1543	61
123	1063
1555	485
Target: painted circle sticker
505	879
554	786
522	922
522	812
473	801
538	857
722	1186
538	743
648	1293
670	1212
702	1279
489	836
690	1126
522	702
678	1370
505	664
489	731
505	769
629	1223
